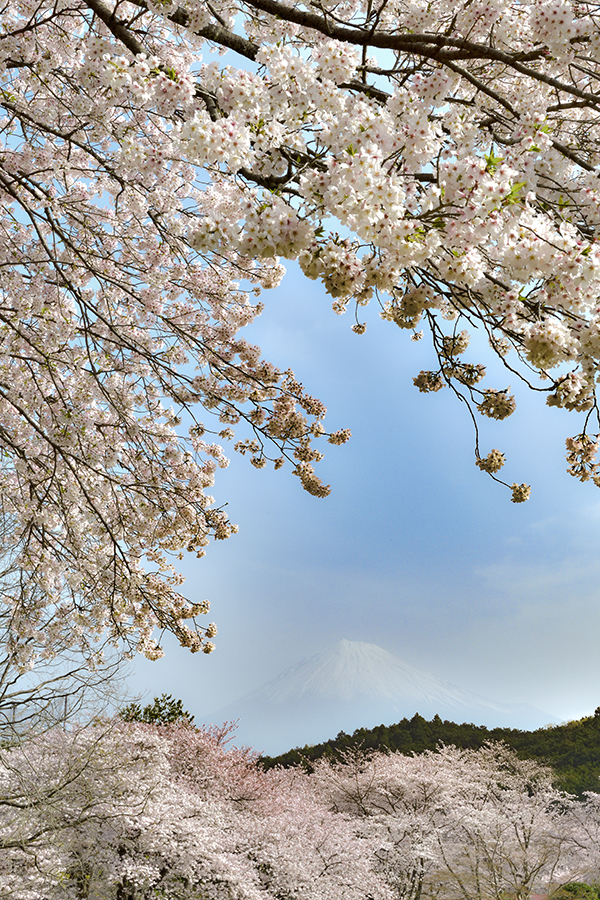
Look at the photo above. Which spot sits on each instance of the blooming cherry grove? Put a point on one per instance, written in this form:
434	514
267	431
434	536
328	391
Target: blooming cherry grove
465	824
438	159
130	811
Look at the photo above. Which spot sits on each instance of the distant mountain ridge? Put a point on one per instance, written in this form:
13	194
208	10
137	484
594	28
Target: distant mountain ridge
353	684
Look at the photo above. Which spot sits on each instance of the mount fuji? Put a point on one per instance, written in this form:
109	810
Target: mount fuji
351	685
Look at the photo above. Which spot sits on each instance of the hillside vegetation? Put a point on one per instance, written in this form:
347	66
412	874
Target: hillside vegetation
571	749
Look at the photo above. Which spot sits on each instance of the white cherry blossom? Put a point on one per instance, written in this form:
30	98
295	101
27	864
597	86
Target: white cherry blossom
439	160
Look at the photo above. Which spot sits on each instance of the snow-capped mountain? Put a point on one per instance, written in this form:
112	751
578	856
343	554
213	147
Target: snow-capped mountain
354	684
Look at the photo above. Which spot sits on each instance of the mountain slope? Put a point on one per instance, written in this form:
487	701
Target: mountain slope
352	684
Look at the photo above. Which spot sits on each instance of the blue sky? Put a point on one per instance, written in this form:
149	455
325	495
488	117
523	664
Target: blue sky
415	550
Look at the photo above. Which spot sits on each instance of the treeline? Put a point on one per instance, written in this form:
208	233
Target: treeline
572	749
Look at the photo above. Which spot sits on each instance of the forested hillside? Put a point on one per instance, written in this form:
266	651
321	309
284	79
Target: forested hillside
572	749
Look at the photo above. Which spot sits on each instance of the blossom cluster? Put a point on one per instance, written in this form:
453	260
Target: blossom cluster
492	463
581	457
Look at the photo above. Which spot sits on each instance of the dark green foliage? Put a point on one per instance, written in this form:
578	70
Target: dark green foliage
164	710
577	890
572	749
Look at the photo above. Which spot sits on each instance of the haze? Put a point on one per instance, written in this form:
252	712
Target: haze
415	550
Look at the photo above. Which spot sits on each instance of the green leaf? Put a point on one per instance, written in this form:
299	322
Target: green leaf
513	195
492	161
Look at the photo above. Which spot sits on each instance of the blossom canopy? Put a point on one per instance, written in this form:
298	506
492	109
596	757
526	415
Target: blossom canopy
440	160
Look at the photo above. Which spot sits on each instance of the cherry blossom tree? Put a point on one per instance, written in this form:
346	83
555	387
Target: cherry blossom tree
585	818
130	811
464	824
60	687
438	159
113	327
512	830
399	799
